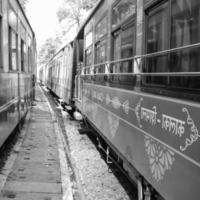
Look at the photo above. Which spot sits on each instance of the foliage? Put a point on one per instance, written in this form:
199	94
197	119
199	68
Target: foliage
70	16
47	50
74	10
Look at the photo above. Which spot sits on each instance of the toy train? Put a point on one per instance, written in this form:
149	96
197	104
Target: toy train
17	66
132	71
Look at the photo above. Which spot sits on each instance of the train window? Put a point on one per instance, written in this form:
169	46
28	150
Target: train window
100	46
127	50
88	56
29	59
124	47
101	29
29	54
88	49
116	52
185	31
88	40
12	49
122	10
100	51
12	18
157	38
23	55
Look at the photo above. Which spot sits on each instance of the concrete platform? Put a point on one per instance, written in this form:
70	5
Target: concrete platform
36	169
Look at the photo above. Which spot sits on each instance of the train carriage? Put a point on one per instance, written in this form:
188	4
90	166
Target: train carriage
137	83
17	66
60	73
139	88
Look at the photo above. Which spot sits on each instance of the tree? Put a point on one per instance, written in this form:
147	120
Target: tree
23	3
47	50
74	11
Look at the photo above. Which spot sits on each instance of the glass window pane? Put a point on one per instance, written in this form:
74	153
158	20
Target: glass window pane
13	49
157	38
157	29
116	53
23	32
185	31
101	29
122	11
88	56
127	47
22	55
88	40
12	18
100	56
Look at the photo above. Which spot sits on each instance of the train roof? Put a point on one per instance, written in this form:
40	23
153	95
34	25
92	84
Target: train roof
25	17
80	31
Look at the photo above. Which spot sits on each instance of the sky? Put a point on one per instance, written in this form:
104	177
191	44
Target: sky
42	17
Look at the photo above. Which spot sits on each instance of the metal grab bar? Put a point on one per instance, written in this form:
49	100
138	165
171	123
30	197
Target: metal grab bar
137	62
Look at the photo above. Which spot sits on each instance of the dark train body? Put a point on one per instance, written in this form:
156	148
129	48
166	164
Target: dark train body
135	78
17	66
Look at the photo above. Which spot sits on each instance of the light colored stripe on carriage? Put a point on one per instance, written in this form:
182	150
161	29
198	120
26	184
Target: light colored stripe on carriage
190	103
146	133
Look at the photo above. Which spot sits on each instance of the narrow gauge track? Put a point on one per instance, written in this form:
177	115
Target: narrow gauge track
113	167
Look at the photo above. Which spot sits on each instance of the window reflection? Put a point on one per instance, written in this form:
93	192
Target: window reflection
157	40
101	29
122	11
185	31
173	28
116	53
127	45
13	49
100	56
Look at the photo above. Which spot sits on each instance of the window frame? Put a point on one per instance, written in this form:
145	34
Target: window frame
170	87
12	29
129	22
99	42
124	21
10	42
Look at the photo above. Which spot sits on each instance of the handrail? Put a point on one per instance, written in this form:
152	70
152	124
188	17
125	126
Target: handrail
149	74
158	53
136	64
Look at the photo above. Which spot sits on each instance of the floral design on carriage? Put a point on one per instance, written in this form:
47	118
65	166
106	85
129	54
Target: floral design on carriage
113	124
160	157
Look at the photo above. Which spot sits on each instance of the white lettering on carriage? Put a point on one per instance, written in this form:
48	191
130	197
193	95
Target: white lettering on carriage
149	115
194	136
173	125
